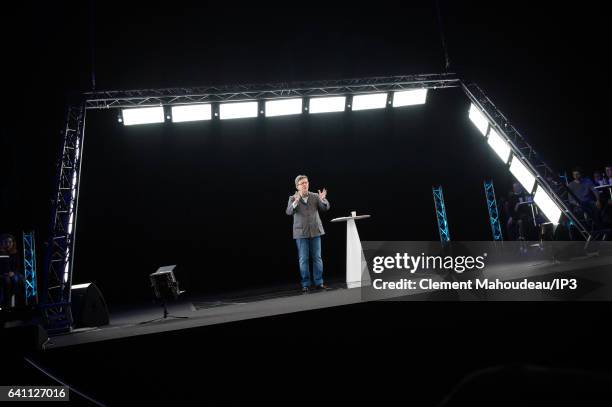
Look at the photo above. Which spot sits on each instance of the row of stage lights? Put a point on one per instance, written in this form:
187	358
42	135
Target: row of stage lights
517	168
272	108
295	106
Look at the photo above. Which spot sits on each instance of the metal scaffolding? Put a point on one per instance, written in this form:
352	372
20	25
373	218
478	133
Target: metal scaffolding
55	294
57	273
210	94
493	212
546	178
29	267
441	214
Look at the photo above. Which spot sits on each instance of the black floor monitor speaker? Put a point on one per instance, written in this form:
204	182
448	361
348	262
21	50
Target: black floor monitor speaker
88	306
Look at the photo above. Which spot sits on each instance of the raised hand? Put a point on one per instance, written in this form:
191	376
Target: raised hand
323	195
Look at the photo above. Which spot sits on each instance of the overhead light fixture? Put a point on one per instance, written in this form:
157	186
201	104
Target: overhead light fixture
550	209
370	101
237	110
283	107
409	97
478	119
327	104
522	174
142	115
191	113
499	145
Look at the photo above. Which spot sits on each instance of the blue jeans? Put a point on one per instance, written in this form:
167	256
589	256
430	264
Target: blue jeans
310	247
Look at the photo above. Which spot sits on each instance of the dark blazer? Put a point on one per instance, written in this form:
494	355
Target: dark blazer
306	219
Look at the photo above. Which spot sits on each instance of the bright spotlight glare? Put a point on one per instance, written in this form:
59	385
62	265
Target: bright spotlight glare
143	115
190	113
409	97
283	107
238	110
478	119
547	205
522	174
497	143
371	101
327	104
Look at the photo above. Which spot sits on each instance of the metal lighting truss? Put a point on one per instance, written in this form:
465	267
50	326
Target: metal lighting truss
441	214
211	94
29	266
546	178
493	213
56	280
57	273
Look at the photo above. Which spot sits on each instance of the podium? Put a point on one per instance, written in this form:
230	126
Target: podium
354	253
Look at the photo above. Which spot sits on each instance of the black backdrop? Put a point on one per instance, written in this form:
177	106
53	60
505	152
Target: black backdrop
210	196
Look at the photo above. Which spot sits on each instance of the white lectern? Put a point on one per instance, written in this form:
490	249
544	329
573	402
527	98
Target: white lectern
355	275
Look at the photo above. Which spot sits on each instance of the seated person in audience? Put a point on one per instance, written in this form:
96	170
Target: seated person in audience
607	183
598	179
608	174
12	290
583	195
519	224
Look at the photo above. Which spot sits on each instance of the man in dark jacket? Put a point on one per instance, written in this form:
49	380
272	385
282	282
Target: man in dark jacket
304	206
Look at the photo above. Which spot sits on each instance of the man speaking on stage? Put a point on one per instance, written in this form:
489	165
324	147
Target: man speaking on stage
307	230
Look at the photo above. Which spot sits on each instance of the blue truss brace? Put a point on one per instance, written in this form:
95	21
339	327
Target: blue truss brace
441	214
493	212
29	265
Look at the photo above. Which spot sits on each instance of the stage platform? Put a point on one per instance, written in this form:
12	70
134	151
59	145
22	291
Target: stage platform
127	322
594	272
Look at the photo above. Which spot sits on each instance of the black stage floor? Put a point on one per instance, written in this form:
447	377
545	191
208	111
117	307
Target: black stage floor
273	301
204	311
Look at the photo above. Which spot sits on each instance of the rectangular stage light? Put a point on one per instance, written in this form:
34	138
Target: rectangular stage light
238	110
409	97
479	119
143	115
547	205
191	113
283	107
522	174
371	101
327	104
499	145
